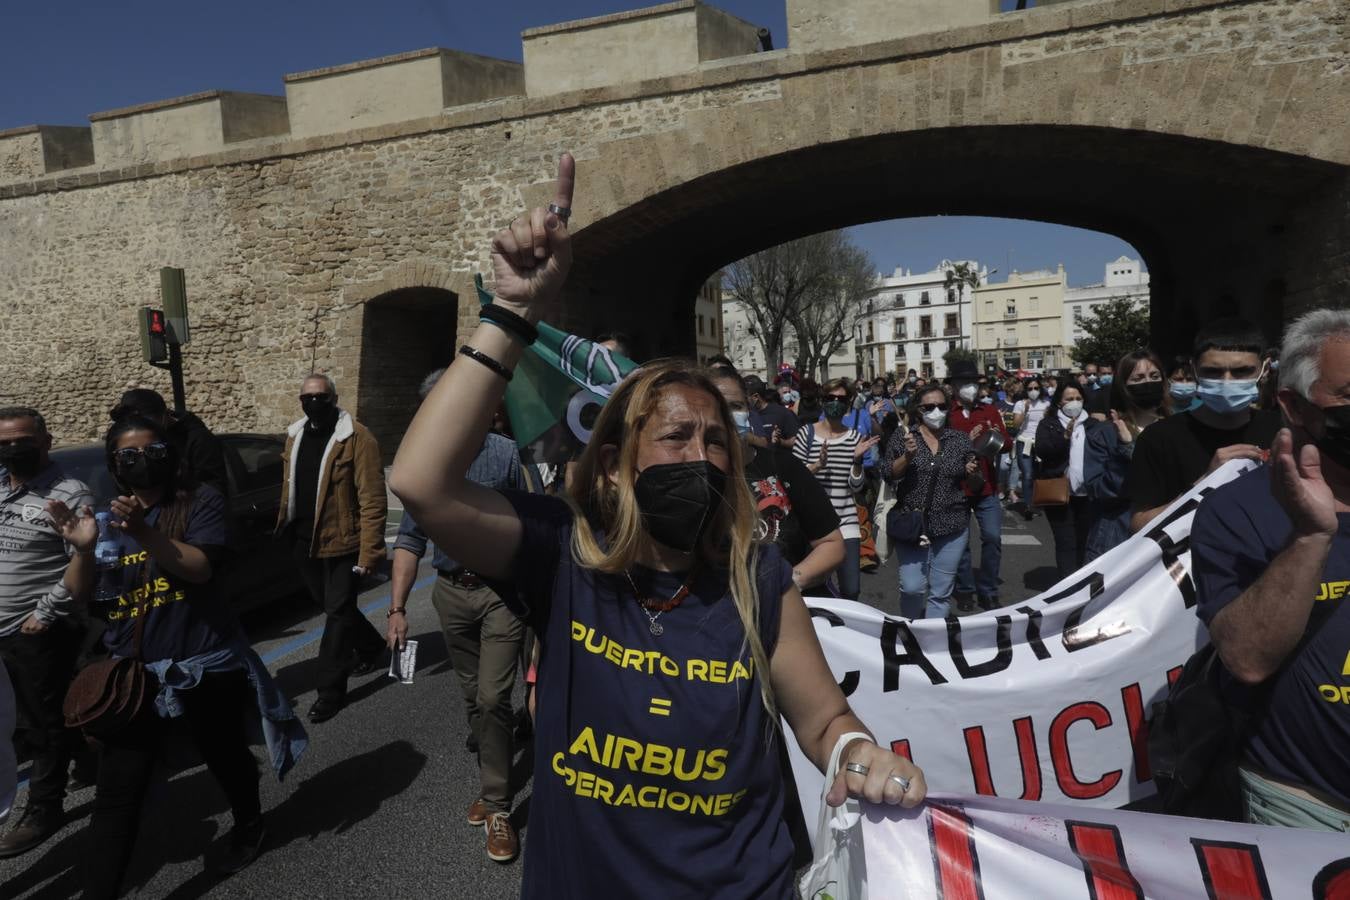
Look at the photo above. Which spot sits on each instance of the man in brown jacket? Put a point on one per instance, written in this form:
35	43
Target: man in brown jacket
333	507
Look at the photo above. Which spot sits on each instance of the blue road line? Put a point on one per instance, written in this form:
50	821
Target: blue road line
304	640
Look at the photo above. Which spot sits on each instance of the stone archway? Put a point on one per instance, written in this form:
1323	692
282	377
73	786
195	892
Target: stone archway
398	329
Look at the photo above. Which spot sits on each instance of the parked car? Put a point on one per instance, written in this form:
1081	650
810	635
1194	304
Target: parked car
259	568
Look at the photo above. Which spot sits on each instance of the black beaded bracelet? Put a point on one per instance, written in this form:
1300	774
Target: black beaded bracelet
486	360
509	322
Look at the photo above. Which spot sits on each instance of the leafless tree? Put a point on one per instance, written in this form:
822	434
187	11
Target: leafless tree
802	286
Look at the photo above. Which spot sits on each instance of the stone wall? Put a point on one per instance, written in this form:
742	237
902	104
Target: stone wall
293	249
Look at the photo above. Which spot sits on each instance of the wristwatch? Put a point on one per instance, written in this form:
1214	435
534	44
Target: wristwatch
393	611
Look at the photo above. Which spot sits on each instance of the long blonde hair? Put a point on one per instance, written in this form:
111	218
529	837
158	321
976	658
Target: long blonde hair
610	505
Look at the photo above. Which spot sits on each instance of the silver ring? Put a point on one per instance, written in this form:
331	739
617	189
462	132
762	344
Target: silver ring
562	212
900	780
856	768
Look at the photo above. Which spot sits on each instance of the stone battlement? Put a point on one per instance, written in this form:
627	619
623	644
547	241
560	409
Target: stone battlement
654	50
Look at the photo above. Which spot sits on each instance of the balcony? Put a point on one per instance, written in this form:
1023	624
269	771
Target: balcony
926	335
951	332
1010	342
1011	314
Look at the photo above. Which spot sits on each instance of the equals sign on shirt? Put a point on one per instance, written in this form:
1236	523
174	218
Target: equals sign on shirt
659	707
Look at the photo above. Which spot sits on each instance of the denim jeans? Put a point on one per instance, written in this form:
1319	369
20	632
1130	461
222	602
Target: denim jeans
847	580
1025	464
989	514
927	575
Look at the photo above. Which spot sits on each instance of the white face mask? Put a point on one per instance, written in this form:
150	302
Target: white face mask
1034	394
967	394
742	419
1073	408
935	419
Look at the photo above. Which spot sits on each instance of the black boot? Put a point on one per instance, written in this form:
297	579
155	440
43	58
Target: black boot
987	603
965	603
246	842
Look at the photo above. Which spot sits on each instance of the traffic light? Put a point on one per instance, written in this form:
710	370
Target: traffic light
154	329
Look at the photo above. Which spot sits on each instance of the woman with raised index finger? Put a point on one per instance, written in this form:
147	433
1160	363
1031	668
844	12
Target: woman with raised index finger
669	640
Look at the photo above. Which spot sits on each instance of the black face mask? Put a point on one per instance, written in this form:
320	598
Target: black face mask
1335	439
321	411
144	473
679	500
1146	394
22	460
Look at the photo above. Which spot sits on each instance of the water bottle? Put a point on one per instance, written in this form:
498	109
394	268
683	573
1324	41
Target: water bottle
107	553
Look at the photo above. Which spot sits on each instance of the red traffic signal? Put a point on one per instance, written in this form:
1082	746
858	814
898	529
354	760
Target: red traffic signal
154	330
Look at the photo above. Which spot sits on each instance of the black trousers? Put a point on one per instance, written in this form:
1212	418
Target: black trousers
213	714
1069	525
41	667
348	636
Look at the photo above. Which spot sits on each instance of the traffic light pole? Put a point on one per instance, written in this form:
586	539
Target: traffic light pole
175	368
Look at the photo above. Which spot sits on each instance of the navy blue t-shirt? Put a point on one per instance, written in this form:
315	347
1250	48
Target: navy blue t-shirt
656	769
1304	737
185	620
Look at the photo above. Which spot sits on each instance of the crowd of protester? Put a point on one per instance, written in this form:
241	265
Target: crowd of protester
704	506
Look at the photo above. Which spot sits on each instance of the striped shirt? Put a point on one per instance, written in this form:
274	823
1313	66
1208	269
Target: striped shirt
33	556
837	478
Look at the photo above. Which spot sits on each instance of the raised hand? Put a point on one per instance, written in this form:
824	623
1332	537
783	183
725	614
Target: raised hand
976	431
129	515
1297	483
911	444
864	445
531	256
79	530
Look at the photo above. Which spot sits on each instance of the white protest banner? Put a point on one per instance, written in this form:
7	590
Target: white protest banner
965	848
1047	700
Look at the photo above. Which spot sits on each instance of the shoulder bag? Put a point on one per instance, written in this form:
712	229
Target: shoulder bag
108	695
1195	742
909	526
1053	491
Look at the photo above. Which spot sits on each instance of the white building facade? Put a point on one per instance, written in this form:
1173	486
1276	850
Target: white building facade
912	318
741	344
1125	279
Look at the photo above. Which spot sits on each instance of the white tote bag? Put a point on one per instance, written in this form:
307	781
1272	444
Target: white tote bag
839	870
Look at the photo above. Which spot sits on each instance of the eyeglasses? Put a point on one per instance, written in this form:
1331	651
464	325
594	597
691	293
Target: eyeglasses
323	396
829	397
930	407
127	456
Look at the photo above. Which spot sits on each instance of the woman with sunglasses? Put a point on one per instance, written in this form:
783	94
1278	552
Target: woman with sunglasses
930	460
834	453
203	675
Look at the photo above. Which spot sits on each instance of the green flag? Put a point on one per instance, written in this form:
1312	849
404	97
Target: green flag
559	386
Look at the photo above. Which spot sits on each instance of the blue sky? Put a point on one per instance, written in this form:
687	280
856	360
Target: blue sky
63	61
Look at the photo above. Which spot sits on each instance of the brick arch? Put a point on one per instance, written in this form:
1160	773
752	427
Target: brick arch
392	331
405	275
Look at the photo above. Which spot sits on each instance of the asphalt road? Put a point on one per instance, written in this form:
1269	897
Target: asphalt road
375	809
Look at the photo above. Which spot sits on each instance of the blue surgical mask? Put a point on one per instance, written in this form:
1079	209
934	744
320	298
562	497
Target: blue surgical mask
742	420
1227	396
1105	380
1182	390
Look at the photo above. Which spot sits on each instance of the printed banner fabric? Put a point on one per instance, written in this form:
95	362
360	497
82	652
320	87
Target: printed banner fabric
1047	700
984	847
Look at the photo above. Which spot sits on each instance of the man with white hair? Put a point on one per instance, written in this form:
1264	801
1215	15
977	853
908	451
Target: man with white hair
1271	552
333	505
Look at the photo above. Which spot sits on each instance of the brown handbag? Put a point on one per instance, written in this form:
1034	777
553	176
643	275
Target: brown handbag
108	695
1053	491
1050	491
